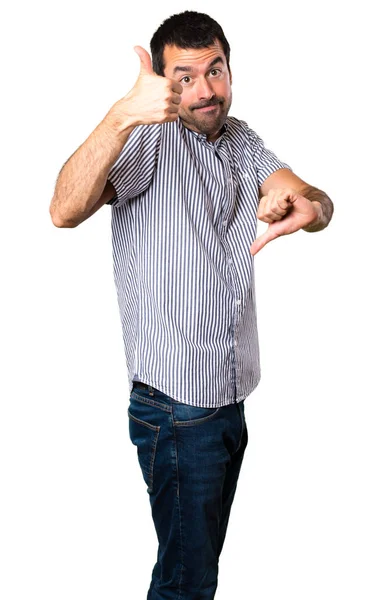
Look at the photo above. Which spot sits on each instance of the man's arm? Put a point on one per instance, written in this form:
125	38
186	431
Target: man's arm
82	186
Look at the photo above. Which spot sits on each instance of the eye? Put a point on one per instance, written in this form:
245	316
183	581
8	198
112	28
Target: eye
214	72
183	80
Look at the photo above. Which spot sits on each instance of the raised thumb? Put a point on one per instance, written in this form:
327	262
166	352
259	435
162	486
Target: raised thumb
145	60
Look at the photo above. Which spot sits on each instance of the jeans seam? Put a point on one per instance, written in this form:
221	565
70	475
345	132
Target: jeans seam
179	511
243	427
152	461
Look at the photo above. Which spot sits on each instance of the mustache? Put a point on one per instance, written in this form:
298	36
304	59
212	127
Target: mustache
212	102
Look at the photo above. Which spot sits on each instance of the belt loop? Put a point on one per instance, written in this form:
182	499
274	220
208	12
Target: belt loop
151	390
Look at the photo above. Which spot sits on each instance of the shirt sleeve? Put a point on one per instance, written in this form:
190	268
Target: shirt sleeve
132	172
265	160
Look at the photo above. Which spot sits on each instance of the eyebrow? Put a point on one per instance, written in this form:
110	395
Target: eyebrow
216	60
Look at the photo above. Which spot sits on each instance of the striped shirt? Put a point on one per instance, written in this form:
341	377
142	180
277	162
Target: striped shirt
183	220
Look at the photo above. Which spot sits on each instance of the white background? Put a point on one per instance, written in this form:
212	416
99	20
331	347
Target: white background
308	517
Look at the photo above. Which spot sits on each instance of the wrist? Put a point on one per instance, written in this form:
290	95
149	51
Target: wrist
318	222
118	124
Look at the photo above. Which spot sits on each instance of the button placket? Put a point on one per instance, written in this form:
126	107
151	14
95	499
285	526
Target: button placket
230	189
228	179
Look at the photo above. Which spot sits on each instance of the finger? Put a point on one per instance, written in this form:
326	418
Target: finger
177	87
271	210
276	214
266	213
176	99
281	206
173	108
171	116
288	195
145	60
265	219
261	241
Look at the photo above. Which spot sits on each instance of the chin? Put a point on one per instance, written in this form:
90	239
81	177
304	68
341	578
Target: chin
211	128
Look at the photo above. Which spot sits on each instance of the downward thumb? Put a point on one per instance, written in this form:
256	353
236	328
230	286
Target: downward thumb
145	60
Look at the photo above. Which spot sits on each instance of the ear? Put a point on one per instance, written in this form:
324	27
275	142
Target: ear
231	77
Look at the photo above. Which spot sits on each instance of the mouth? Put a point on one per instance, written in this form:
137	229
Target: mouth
207	108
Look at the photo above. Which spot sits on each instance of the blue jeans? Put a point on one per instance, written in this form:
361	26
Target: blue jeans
190	460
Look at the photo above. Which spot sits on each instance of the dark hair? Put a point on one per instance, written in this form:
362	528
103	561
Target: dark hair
188	29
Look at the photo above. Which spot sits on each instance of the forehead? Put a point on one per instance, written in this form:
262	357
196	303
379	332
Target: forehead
194	57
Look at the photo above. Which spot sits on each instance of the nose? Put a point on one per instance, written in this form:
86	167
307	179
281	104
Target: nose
204	89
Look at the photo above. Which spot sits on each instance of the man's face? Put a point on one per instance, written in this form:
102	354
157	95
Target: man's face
206	82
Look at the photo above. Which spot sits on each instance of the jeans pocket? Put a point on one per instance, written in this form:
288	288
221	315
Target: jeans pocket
145	437
187	415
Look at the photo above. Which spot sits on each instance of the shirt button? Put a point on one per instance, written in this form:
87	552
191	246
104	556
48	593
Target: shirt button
229	262
224	223
235	343
237	302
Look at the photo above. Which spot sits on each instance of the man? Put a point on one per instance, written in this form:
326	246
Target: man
186	183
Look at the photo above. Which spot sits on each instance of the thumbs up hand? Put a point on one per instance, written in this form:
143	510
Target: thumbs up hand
153	99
